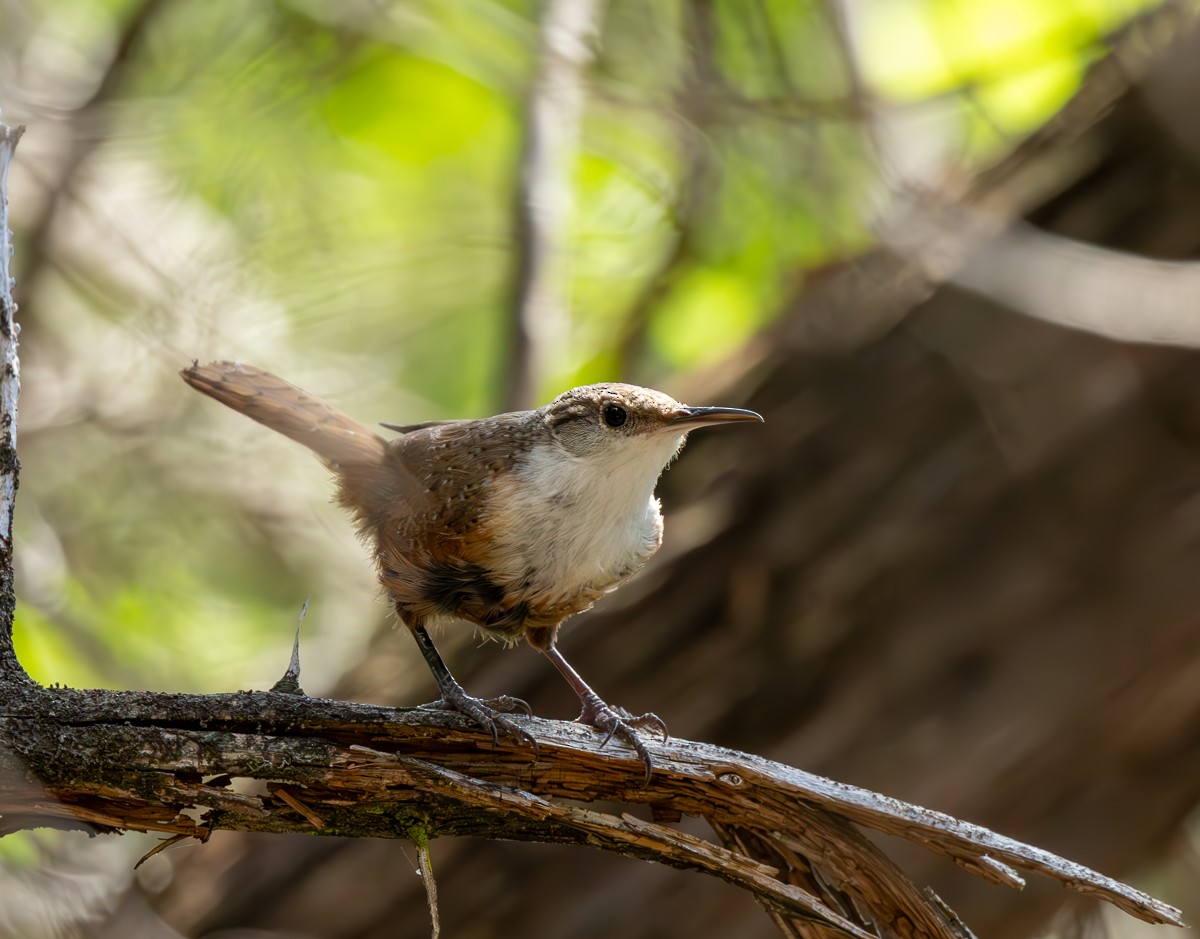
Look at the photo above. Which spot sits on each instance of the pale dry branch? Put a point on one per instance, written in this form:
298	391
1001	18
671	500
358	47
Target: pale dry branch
1059	280
111	761
972	234
10	388
10	380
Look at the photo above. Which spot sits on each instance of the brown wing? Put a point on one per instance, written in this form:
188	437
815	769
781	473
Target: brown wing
444	565
409	428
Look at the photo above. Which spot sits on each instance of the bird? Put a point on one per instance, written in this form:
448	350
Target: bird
513	523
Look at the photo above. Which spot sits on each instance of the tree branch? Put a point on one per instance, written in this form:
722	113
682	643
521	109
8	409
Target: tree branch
1059	280
111	761
10	388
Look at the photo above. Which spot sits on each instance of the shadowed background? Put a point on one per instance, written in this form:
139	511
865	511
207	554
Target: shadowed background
957	565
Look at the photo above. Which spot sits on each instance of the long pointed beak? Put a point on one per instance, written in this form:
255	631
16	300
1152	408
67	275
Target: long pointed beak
689	418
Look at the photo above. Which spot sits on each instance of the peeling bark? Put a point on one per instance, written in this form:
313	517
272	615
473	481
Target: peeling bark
110	761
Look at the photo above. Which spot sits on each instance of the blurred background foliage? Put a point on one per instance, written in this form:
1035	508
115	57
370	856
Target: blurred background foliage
331	191
328	192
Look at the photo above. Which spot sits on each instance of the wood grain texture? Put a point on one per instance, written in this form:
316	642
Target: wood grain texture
109	761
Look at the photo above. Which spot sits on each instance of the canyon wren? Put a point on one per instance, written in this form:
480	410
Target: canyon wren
514	522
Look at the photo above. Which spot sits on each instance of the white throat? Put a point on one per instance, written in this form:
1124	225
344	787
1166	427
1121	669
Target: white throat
581	521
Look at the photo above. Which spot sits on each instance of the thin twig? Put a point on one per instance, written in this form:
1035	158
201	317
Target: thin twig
161	846
430	882
289	682
296	805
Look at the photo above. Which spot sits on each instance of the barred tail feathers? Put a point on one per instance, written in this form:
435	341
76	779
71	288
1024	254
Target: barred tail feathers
370	485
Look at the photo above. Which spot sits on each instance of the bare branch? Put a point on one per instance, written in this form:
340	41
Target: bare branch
1059	280
971	235
111	761
10	388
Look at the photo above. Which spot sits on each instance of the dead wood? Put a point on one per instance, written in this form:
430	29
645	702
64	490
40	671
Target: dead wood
268	762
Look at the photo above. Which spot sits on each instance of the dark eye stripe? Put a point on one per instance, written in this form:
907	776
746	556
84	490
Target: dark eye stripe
566	412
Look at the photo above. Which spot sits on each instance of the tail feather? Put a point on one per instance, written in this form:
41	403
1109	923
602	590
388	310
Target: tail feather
340	441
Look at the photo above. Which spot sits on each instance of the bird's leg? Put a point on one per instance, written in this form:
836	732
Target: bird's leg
614	721
484	711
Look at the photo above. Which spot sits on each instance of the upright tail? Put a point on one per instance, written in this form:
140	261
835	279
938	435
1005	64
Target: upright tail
341	442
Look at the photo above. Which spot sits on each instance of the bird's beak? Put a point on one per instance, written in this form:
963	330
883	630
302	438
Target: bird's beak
690	418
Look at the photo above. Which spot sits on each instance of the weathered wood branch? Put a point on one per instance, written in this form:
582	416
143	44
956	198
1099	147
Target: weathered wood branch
270	762
10	387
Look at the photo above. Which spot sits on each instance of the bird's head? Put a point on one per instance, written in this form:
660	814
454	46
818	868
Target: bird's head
629	425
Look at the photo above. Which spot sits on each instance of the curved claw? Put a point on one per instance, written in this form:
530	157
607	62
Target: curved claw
486	712
651	720
617	722
507	704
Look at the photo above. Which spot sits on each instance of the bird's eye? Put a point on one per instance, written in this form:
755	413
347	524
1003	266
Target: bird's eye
615	416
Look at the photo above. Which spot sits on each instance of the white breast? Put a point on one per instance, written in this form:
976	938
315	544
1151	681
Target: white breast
565	523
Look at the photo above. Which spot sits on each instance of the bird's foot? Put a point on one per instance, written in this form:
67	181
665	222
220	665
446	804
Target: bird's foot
488	713
617	722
